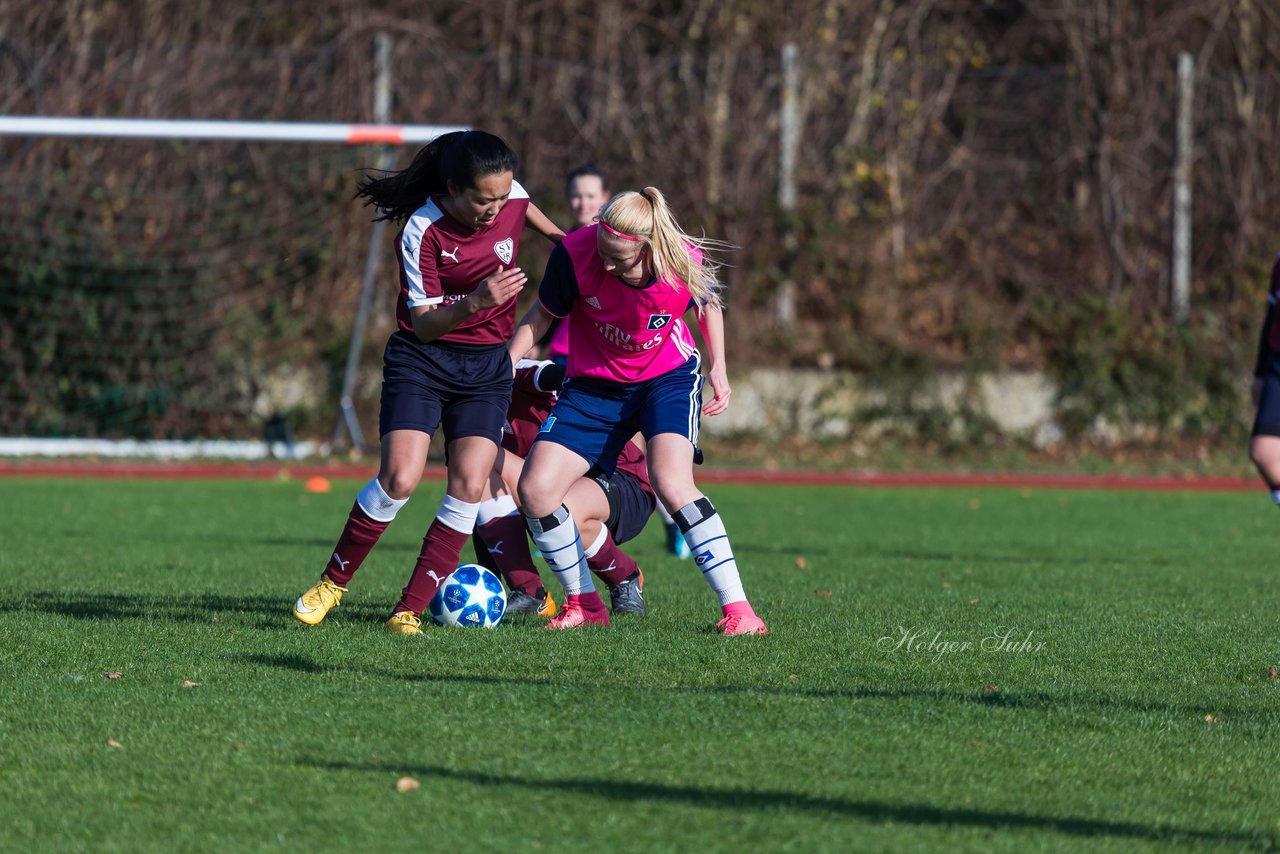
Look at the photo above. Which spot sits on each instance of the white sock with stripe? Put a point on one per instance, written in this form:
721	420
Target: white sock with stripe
704	532
557	538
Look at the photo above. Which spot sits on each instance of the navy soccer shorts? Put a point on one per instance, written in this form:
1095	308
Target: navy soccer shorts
1267	422
595	418
630	505
465	389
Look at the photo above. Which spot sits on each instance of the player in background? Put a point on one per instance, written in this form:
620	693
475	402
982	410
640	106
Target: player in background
1264	444
461	214
608	511
625	286
587	190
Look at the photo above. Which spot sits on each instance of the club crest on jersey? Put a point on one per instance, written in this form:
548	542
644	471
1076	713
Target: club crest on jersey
504	248
657	321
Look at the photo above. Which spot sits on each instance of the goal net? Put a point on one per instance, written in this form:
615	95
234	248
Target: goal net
179	289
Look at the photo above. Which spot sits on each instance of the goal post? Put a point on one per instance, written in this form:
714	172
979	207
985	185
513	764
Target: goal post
136	234
230	131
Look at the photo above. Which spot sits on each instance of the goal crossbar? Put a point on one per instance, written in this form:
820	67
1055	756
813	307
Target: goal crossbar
349	134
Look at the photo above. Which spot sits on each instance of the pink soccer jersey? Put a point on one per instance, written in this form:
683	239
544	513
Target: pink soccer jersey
616	332
442	262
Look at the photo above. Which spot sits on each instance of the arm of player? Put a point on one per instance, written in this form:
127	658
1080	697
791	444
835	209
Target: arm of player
528	332
711	322
539	222
432	321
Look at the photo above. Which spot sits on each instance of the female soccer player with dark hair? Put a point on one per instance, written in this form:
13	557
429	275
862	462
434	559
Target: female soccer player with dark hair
625	286
446	365
1264	444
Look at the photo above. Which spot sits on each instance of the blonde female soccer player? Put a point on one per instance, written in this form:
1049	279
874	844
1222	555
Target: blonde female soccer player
624	286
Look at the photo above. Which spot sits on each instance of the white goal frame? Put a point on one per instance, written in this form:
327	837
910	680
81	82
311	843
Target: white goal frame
382	135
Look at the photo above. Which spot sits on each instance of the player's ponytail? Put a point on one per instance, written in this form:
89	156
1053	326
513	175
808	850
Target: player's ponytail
645	216
458	158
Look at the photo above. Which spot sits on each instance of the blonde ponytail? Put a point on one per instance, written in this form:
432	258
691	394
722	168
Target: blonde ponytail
644	215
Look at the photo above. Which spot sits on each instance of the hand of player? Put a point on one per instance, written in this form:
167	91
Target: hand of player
498	288
719	401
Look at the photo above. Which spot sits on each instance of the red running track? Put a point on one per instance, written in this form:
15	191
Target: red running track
275	471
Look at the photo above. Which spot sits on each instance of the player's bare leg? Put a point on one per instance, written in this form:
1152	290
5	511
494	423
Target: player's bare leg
1264	451
589	505
471	461
404	453
671	472
549	473
502	543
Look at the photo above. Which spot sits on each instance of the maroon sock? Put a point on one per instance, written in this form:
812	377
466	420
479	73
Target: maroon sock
611	563
439	557
357	540
508	545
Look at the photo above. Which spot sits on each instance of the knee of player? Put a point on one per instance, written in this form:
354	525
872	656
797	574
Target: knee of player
400	484
589	527
469	489
1264	451
534	497
677	494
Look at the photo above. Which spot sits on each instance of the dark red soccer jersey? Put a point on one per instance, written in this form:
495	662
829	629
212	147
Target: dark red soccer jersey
529	407
442	262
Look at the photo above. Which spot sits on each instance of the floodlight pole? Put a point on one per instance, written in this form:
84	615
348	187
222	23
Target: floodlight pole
788	144
1180	273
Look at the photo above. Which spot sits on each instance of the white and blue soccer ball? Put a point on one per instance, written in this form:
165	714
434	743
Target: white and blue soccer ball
471	597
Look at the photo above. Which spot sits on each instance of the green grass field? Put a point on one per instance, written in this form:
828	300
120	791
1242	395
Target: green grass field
1132	708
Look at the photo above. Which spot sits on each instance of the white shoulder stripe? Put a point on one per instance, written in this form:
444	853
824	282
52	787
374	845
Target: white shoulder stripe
415	229
517	191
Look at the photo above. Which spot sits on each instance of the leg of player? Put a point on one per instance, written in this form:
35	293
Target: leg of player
671	471
1264	451
471	460
675	540
501	536
1264	443
548	475
593	503
404	453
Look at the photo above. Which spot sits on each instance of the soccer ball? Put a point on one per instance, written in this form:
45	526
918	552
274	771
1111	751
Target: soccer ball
471	597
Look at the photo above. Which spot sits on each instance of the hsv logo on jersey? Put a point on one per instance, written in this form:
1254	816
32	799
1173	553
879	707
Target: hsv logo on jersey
503	249
657	321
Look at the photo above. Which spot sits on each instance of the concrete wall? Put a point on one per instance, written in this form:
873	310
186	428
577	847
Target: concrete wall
771	403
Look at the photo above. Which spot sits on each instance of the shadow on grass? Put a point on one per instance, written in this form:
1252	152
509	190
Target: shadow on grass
1030	701
257	611
873	811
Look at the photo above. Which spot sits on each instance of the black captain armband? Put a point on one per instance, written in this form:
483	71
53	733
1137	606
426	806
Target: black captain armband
549	378
694	513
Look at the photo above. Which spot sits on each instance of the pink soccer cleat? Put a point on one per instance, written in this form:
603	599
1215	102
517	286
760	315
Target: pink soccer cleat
742	624
575	615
